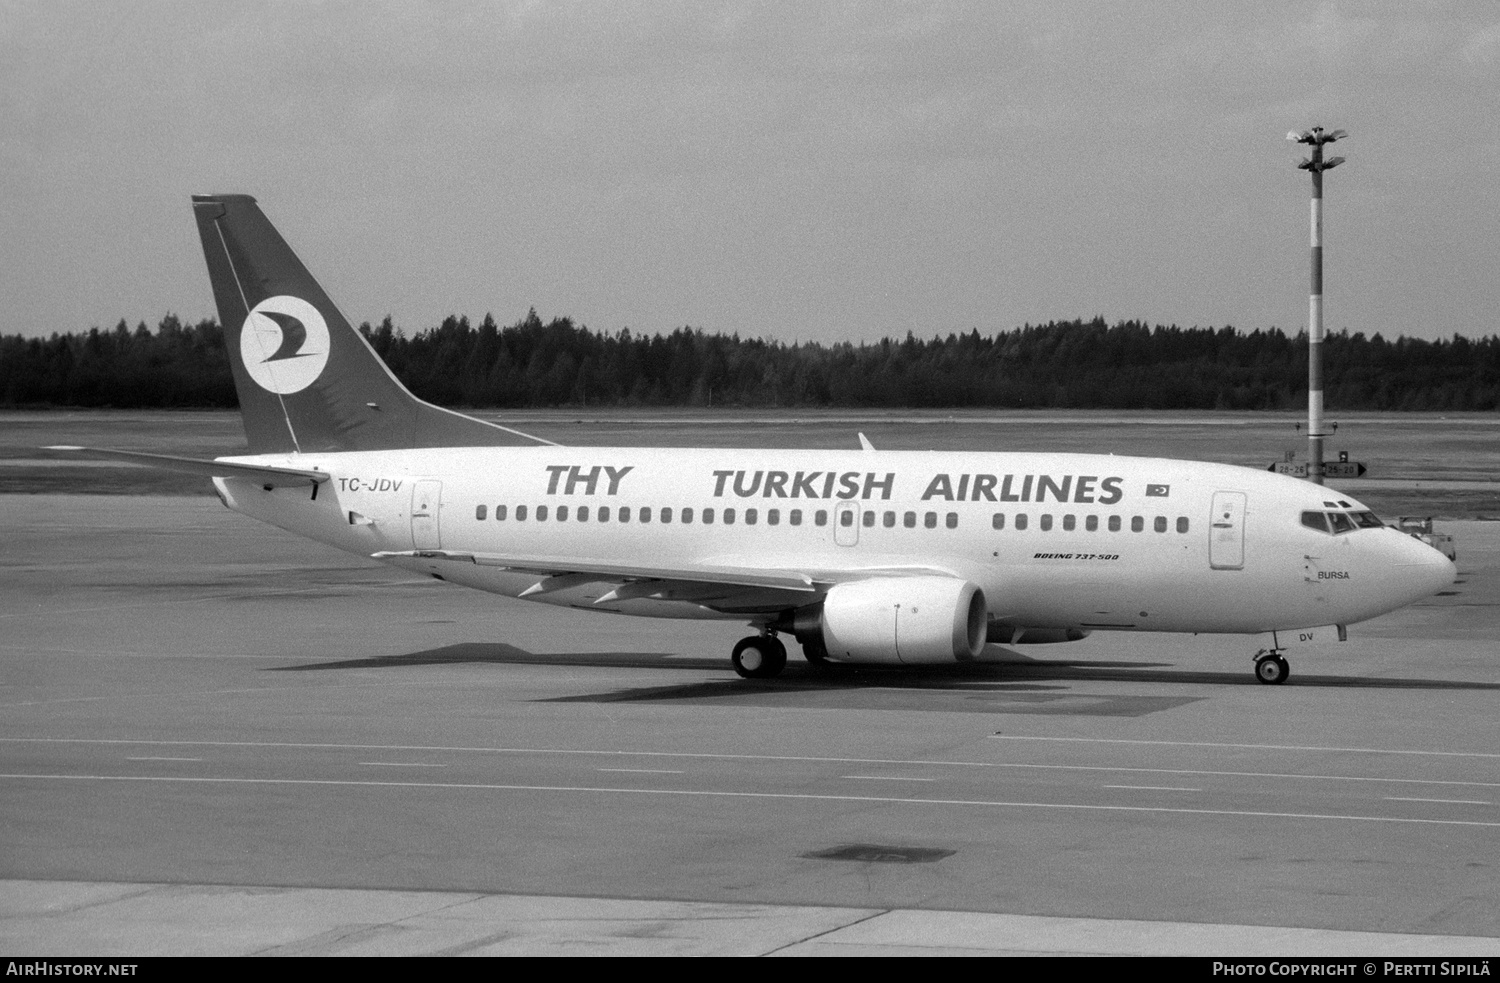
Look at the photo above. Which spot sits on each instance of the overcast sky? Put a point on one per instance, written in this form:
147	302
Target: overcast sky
801	171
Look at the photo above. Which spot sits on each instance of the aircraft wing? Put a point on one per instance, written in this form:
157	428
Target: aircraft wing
265	474
721	586
564	565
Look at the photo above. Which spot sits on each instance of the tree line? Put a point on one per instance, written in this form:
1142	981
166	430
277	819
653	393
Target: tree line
1081	364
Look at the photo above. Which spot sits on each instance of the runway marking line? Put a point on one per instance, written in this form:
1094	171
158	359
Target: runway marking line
643	771
785	796
1456	802
704	755
163	759
400	764
888	778
236	595
1156	788
1251	747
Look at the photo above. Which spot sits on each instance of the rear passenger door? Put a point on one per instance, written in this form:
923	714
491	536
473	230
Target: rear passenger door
426	505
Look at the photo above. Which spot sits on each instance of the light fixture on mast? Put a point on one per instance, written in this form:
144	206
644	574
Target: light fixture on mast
1316	138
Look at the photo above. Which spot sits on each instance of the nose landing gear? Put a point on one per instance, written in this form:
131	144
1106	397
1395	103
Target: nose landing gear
1271	666
759	656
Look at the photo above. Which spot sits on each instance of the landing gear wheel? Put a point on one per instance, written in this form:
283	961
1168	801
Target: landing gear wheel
814	651
759	657
1272	670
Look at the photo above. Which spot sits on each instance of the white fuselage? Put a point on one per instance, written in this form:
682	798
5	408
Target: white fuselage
1058	541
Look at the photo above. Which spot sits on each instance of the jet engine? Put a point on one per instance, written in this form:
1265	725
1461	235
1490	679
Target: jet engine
900	620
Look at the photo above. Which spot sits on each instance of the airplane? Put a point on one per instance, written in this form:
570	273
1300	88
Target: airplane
862	556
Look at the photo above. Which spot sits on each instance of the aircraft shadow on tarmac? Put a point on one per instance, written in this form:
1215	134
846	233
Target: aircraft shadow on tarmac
797	672
1012	672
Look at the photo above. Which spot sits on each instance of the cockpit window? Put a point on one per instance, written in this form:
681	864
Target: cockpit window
1341	522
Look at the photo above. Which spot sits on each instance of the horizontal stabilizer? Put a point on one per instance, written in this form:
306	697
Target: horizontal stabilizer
265	474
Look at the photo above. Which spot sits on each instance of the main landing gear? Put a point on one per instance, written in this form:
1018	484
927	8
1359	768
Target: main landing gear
1271	667
759	656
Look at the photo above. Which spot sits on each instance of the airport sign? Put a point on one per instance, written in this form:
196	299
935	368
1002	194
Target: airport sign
1331	469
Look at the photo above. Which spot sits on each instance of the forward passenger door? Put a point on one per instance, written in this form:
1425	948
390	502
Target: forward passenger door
1226	531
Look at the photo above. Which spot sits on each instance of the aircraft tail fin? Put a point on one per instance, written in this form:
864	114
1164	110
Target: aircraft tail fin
307	380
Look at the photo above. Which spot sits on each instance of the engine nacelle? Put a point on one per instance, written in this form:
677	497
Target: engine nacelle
904	620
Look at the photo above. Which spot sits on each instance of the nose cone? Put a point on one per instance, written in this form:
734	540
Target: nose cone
1418	569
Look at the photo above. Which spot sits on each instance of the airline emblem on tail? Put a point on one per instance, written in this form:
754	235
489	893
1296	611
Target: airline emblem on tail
284	344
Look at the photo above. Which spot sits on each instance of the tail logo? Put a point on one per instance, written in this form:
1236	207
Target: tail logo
284	344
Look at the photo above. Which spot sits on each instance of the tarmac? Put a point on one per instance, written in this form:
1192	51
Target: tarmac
137	920
218	739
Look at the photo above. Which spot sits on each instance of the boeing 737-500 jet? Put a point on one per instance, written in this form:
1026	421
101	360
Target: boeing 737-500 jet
861	556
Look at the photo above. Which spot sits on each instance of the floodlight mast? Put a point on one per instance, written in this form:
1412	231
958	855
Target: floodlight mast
1316	165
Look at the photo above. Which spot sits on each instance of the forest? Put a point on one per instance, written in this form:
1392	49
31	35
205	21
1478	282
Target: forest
1082	364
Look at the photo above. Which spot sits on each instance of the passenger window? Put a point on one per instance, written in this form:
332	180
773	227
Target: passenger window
583	513
604	513
1114	523
1137	523
773	517
888	520
1020	520
1091	523
909	520
687	515
952	520
729	517
795	517
562	513
1341	522
1069	522
1046	521
997	521
1182	523
1160	523
541	513
820	518
869	519
708	517
666	515
930	520
750	516
499	513
846	518
645	514
480	512
520	513
624	513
